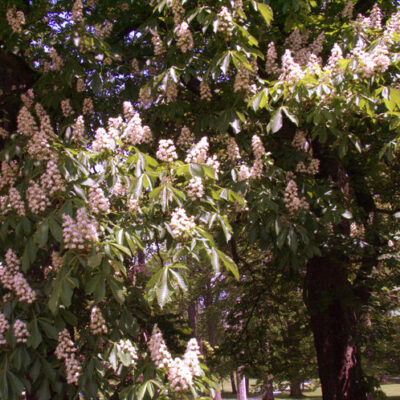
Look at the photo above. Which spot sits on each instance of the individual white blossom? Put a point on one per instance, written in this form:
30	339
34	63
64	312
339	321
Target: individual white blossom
97	322
20	331
181	225
195	188
77	233
98	202
166	150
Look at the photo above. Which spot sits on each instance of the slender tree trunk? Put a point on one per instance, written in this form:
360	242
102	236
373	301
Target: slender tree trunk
330	301
268	393
233	383
241	384
247	384
295	389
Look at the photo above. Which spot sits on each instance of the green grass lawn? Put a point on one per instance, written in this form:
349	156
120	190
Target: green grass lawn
391	390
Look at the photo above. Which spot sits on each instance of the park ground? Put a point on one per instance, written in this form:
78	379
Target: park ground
392	392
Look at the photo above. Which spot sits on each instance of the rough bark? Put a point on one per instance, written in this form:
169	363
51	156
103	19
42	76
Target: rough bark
234	391
241	384
330	301
295	389
268	393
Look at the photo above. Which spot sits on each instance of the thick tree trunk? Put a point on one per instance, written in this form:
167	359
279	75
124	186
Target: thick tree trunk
268	393
233	384
241	384
330	301
295	389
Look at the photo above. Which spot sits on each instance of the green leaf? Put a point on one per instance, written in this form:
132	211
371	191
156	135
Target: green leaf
229	264
214	258
162	289
266	12
196	170
42	234
56	230
35	338
275	124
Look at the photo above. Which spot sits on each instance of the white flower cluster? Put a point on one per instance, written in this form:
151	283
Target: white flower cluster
15	19
180	371
347	12
4	205
334	58
312	169
258	147
185	138
39	147
195	188
66	108
57	62
158	44
369	62
9	173
185	38
135	66
77	233
291	71
37	198
102	32
87	107
16	201
181	224
27	98
178	11
244	173
166	150
257	169
225	23
145	98
4	325
171	91
213	163
3	133
376	17
51	180
233	150
300	142
66	350
119	189
78	130
97	322
80	85
127	347
12	279
292	201
133	205
242	80
20	331
158	349
26	124
205	91
271	64
98	202
199	152
135	133
57	261
103	141
357	231
128	110
77	11
392	27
